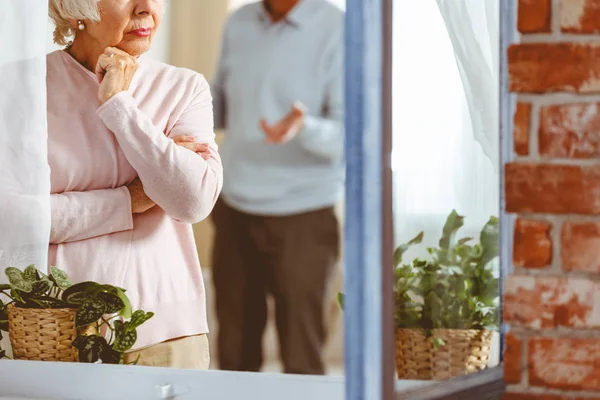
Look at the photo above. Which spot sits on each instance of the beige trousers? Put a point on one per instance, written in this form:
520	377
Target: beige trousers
190	352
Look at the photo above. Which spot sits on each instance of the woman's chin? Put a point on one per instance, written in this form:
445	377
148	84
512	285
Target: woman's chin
135	47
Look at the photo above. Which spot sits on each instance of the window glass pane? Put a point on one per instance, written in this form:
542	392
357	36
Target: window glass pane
445	160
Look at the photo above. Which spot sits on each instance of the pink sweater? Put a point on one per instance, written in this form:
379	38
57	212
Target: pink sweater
94	151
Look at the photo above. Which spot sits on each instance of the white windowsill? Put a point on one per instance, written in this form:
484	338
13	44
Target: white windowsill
49	381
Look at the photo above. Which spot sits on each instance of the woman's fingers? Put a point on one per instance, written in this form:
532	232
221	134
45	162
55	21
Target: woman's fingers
188	142
115	70
184	138
102	66
116	51
195	147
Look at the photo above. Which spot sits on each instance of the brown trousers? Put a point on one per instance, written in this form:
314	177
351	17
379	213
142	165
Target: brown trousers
290	258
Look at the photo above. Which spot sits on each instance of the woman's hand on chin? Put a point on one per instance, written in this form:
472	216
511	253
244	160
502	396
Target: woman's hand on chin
115	70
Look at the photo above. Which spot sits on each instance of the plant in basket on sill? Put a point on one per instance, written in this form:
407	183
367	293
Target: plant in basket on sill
446	306
49	318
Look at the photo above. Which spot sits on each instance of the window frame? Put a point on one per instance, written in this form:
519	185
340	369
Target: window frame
490	383
368	250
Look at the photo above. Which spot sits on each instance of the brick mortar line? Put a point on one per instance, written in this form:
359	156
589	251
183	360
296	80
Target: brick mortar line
534	128
547	391
525	334
549	272
524	358
567	162
555	236
551	38
559	98
549	218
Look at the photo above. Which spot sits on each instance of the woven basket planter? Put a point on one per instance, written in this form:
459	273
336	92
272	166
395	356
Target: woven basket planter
465	352
42	334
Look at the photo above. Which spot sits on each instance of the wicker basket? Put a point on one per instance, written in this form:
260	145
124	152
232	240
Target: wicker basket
42	334
465	352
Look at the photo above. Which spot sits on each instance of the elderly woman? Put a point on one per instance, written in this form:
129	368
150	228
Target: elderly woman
133	164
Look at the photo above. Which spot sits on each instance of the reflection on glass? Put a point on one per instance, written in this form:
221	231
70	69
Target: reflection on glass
134	164
445	172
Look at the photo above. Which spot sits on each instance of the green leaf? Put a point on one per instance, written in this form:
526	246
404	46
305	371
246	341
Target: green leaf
89	347
489	240
124	340
16	295
400	250
3	318
80	341
113	303
108	355
82	287
60	277
453	223
76	297
41	287
90	311
4	286
455	270
340	300
435	306
126	311
437	343
46	302
17	280
463	241
30	274
118	326
137	319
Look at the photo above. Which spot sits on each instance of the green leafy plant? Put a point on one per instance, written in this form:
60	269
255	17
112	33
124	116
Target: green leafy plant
456	287
99	308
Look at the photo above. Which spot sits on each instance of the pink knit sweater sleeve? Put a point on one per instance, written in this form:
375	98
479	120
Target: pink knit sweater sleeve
178	180
84	215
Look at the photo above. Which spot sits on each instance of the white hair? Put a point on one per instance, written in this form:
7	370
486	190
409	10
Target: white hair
63	12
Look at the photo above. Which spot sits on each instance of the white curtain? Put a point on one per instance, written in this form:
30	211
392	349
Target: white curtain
24	171
473	27
445	123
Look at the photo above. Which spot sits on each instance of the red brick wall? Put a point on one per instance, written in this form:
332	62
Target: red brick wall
552	299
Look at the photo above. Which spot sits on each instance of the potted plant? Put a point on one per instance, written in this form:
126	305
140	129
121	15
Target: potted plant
49	318
446	306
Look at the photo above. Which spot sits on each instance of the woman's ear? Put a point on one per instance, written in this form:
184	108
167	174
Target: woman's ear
77	24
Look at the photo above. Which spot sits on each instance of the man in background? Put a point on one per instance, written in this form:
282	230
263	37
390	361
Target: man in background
278	94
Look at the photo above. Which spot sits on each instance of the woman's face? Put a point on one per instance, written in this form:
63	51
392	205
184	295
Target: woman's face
128	25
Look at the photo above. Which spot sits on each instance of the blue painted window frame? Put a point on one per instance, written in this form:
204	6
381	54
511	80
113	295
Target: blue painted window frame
368	237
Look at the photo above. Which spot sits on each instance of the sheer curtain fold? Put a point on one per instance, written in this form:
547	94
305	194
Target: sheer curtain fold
24	170
473	28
